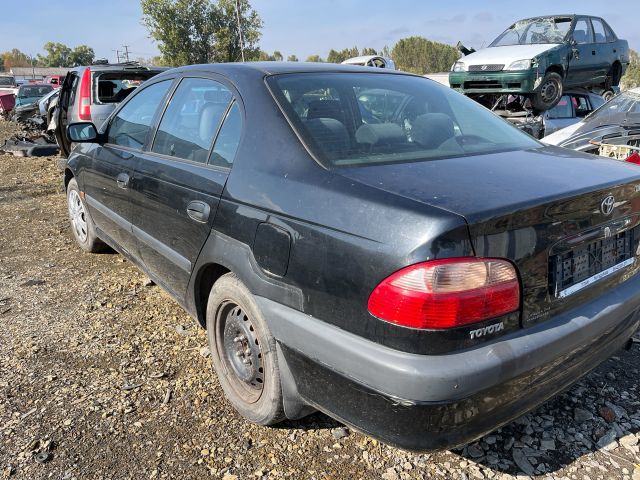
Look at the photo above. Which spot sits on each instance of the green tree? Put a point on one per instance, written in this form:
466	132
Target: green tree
265	57
421	56
81	55
202	31
277	56
340	56
314	58
631	78
57	55
292	58
15	58
369	51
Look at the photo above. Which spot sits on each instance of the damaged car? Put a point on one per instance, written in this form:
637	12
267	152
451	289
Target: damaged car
375	61
91	93
424	278
30	93
539	57
616	122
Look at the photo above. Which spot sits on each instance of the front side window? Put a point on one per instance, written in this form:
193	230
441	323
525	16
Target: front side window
131	125
399	118
192	119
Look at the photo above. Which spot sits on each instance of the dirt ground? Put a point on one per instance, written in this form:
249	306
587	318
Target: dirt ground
103	376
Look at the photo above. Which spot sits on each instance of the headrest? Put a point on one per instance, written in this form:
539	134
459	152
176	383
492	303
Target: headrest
432	129
325	109
330	134
209	119
380	134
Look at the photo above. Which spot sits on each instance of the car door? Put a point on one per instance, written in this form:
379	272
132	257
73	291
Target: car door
108	180
560	116
583	60
604	56
180	179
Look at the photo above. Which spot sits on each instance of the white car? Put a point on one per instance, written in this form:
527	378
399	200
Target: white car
371	61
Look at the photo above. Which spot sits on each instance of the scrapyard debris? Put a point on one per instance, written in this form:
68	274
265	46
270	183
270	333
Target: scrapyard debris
34	146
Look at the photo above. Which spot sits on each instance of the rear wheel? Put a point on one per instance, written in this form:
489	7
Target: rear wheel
549	92
82	225
243	352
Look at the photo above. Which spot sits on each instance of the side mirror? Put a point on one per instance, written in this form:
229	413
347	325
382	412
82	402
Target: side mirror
572	42
82	132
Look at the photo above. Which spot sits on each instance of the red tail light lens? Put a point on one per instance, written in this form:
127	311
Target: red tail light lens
84	101
447	293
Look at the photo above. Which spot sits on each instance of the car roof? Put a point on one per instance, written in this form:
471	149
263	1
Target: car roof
118	67
261	69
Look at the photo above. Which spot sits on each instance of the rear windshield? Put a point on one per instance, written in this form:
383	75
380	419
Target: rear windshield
30	91
361	119
7	82
114	87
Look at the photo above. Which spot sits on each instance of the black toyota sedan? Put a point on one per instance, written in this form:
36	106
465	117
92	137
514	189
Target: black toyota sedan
413	266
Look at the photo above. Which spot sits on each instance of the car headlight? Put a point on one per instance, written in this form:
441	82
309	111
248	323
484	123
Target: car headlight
459	67
520	65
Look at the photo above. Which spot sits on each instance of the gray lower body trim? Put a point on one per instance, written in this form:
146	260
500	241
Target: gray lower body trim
458	375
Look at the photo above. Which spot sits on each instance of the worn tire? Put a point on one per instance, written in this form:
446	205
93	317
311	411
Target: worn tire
85	237
548	93
233	313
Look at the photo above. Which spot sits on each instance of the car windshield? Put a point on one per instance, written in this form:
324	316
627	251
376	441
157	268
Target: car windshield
34	91
6	82
622	108
534	31
362	119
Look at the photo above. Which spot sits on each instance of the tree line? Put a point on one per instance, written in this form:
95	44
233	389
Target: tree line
56	55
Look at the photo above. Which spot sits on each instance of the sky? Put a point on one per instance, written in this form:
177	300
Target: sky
300	27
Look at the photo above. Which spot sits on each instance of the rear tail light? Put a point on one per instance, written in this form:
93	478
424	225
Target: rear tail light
84	104
448	293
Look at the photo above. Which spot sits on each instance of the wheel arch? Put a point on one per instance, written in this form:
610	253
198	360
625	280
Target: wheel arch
559	69
68	175
222	254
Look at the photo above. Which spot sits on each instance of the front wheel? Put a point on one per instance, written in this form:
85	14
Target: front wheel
548	93
243	352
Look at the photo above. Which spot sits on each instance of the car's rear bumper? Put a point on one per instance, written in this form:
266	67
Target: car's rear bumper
493	82
425	402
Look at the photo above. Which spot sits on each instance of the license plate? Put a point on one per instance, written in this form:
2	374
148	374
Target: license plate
585	265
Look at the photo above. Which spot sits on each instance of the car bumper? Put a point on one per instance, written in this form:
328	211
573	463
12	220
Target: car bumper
430	402
493	82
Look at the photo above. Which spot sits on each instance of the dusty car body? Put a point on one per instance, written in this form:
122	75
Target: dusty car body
376	61
55	80
7	102
539	57
425	278
616	122
91	93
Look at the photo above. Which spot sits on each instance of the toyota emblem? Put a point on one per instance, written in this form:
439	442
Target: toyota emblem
606	207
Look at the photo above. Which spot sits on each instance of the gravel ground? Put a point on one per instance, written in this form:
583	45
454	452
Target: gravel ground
103	376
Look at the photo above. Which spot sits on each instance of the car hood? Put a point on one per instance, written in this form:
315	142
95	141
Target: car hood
481	187
507	54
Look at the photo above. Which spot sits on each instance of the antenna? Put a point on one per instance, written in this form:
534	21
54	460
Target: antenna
240	29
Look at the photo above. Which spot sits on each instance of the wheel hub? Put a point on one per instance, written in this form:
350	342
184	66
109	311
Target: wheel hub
242	348
549	91
77	216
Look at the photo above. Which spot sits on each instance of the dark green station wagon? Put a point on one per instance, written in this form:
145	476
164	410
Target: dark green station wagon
539	57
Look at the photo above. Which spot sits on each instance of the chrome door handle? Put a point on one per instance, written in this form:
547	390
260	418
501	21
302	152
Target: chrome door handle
198	211
122	180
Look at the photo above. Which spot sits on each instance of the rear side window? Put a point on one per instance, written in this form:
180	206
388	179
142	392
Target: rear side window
114	87
563	109
192	119
131	125
224	150
360	119
600	34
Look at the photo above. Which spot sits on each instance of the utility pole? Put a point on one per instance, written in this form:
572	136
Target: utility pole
240	29
126	52
117	54
33	70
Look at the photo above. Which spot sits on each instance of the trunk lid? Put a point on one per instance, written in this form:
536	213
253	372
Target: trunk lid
539	208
